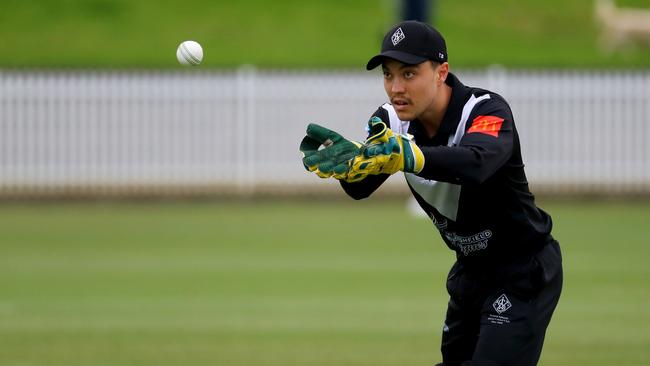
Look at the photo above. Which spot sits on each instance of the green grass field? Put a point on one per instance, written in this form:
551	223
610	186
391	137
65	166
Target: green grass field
303	34
287	283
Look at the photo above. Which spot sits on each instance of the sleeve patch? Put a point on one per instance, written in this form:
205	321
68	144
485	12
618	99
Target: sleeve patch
489	125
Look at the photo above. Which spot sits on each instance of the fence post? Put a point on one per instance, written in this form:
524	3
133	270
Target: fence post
497	79
245	120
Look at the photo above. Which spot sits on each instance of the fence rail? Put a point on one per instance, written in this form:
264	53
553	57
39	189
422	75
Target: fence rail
238	131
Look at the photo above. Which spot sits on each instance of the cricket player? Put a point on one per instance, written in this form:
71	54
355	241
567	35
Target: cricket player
460	153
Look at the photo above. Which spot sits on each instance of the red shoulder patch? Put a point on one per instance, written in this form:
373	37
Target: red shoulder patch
489	125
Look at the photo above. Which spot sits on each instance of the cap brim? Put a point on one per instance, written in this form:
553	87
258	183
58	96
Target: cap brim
400	56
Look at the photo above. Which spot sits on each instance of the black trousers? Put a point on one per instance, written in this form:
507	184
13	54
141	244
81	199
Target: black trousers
501	318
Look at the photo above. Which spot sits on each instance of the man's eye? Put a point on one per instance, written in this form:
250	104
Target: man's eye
386	75
409	74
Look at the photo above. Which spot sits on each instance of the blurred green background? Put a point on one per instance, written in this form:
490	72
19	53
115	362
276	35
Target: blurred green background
293	33
250	283
220	283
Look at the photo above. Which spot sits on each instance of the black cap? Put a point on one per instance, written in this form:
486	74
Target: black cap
411	42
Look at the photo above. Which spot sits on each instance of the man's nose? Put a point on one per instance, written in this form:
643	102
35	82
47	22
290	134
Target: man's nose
397	86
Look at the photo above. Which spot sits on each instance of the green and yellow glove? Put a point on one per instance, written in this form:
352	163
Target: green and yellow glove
335	159
385	152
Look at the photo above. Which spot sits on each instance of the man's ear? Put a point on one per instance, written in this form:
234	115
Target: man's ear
443	71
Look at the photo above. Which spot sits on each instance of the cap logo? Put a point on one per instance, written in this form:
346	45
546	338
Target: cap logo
397	37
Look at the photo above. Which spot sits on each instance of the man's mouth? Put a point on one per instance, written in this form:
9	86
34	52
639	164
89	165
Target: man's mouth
400	104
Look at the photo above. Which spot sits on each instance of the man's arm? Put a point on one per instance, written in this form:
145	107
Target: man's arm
486	146
364	188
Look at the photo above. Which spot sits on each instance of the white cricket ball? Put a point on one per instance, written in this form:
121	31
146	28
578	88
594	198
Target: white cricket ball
189	53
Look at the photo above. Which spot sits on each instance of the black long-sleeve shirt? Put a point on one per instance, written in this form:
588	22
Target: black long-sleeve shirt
473	184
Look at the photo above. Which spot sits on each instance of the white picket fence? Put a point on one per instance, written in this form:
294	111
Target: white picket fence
238	131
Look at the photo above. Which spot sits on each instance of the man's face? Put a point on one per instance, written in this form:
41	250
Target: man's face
411	88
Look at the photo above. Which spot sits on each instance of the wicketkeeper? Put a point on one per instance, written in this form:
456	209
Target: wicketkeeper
460	153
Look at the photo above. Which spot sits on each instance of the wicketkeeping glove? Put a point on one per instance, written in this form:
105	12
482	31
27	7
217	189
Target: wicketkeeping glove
385	152
334	159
